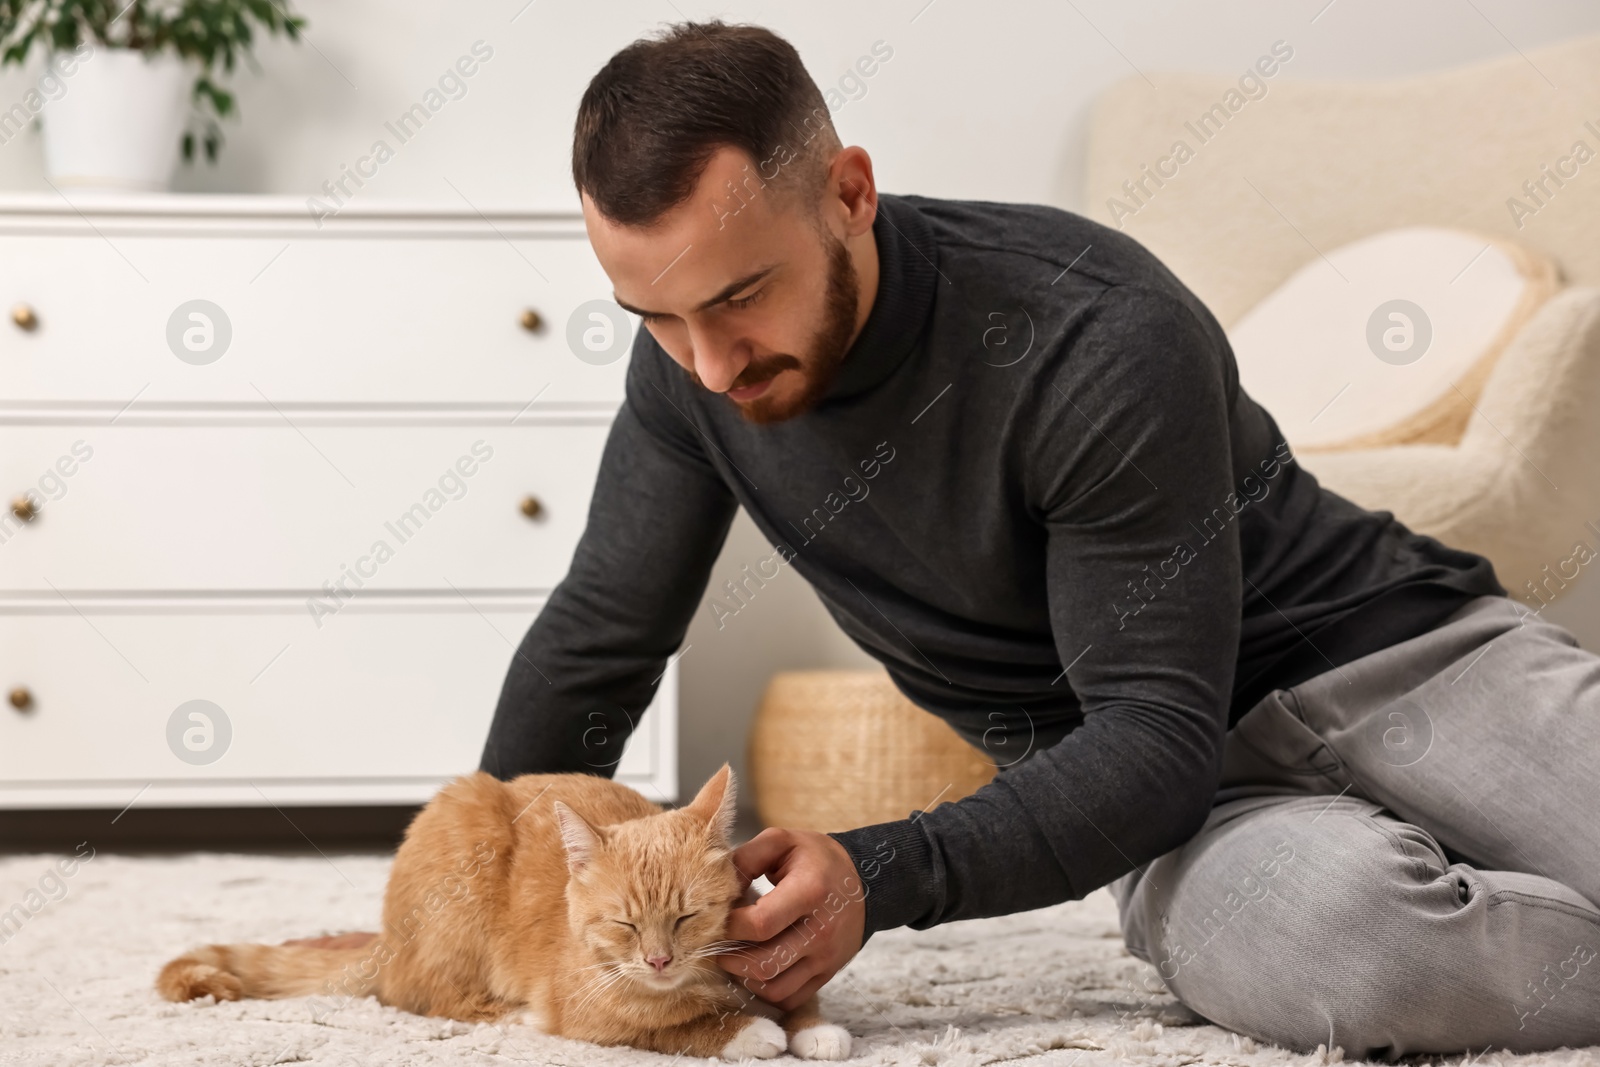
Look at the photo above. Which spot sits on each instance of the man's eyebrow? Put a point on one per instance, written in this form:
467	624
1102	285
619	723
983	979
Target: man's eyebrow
725	293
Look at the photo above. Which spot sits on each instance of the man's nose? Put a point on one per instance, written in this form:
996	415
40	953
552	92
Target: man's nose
717	361
658	962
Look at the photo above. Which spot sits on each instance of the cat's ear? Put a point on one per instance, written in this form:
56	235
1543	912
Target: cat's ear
577	836
716	805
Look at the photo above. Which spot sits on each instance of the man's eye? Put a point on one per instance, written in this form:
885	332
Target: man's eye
746	301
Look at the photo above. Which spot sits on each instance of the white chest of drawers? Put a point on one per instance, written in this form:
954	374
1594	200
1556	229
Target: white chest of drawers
323	533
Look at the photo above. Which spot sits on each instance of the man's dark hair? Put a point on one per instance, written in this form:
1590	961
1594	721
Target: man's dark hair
654	115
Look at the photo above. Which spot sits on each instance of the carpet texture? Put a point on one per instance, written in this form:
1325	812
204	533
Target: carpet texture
1051	988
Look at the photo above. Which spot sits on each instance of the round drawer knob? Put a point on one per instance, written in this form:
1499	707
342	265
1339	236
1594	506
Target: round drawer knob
531	320
23	509
531	506
24	317
21	699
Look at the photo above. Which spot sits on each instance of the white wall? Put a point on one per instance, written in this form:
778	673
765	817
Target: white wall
983	100
980	100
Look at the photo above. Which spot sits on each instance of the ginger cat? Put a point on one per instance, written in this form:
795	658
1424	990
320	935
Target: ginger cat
566	901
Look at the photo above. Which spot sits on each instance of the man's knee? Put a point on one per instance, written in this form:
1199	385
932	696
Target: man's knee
1360	934
1309	924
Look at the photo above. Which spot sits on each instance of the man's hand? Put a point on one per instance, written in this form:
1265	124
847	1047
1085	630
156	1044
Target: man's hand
808	927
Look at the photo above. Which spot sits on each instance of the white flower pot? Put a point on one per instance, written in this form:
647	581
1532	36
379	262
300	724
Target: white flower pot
116	122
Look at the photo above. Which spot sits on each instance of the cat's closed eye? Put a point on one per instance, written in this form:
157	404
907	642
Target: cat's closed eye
629	925
681	918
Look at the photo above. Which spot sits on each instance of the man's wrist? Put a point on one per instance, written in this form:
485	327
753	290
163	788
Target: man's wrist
894	861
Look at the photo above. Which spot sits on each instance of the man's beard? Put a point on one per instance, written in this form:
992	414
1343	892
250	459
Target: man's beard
828	347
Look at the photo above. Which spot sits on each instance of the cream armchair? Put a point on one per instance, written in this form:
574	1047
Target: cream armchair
1307	167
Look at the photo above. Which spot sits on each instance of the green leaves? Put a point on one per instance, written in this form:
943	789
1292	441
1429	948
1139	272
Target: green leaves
215	34
220	99
212	102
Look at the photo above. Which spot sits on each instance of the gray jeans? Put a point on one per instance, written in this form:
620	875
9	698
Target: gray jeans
1404	856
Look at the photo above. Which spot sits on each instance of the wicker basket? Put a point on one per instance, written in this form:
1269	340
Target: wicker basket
833	750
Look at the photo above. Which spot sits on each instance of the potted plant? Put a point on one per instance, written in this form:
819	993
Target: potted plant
129	87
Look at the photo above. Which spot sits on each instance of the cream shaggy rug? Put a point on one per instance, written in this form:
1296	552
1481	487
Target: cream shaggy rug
1051	988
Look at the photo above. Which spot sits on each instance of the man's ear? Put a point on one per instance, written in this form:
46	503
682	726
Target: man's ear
581	840
850	179
716	805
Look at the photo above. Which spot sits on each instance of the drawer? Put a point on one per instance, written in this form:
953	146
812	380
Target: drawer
384	706
332	318
230	504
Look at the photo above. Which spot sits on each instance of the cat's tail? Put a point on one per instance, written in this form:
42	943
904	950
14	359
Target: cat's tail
233	972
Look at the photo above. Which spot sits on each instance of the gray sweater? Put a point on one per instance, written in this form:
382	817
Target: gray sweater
1038	495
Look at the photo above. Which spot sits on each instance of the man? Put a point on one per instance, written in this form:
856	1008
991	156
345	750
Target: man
1337	781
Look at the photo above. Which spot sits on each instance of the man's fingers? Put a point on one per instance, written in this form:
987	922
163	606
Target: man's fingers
789	982
744	924
774	988
763	852
766	958
743	964
773	913
803	994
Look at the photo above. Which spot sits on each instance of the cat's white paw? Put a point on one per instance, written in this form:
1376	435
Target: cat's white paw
762	1039
822	1042
533	1017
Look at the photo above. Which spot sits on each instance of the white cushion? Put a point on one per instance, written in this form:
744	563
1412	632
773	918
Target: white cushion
1387	339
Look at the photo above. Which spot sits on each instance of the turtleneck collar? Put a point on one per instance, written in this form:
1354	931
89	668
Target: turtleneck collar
907	272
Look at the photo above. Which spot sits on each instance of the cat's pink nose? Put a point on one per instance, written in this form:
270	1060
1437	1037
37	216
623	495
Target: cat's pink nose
658	962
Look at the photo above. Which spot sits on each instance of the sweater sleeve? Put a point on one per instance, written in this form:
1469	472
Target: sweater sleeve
590	663
1130	473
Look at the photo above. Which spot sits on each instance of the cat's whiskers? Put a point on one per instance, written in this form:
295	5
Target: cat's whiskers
592	966
732	948
595	986
595	996
579	1008
720	948
605	968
